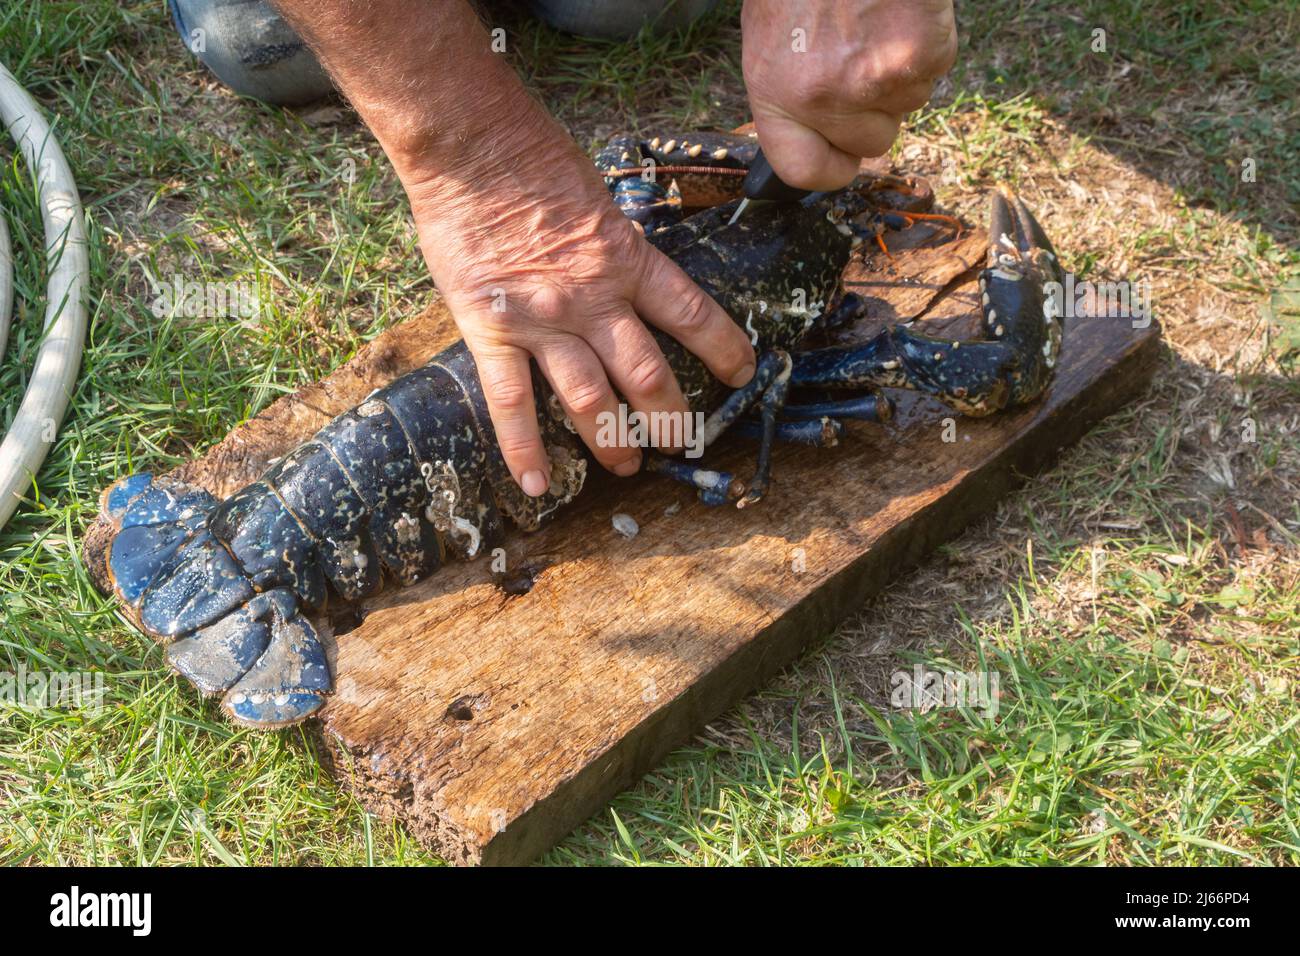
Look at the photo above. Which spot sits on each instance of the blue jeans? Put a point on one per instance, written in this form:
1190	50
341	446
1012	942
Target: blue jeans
254	52
618	19
251	50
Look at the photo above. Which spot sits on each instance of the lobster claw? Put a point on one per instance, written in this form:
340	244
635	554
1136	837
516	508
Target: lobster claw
1013	231
1019	292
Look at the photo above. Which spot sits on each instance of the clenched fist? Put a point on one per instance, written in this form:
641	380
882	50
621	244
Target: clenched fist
830	81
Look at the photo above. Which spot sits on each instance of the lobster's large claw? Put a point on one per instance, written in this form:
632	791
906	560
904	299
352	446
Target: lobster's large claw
1009	364
1015	236
1019	294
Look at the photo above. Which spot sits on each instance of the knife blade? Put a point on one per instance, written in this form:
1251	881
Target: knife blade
762	184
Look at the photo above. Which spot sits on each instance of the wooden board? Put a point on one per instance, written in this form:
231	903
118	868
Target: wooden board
492	723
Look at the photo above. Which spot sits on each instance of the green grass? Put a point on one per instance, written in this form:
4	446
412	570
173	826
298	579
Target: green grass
1146	653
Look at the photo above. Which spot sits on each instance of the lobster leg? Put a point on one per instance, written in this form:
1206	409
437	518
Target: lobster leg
770	405
715	487
873	407
767	390
824	432
891	221
820	424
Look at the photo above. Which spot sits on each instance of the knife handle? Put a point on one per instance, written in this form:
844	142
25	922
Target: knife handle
762	182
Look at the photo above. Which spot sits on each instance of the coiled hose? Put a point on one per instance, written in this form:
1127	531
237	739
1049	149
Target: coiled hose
55	371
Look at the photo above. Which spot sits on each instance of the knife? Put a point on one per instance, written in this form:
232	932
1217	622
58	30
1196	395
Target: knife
763	185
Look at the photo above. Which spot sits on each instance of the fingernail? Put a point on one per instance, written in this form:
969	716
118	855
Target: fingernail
626	469
743	376
534	484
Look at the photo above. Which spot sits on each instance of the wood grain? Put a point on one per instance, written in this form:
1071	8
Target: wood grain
492	723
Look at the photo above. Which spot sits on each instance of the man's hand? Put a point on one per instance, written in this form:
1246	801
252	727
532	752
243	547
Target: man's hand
535	261
830	81
517	227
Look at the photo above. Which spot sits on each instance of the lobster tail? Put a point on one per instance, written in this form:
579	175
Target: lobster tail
269	543
172	566
395	484
291	677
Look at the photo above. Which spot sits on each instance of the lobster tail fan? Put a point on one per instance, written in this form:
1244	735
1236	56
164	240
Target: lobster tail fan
197	586
291	677
153	518
215	657
183	582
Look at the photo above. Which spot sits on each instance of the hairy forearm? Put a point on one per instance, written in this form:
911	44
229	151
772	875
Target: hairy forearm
423	75
535	262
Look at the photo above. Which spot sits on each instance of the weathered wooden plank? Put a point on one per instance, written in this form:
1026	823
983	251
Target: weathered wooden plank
492	723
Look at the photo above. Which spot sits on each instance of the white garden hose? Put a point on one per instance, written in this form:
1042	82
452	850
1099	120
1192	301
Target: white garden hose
6	283
59	357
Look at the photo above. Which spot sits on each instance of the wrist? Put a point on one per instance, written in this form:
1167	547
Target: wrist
516	180
525	194
478	150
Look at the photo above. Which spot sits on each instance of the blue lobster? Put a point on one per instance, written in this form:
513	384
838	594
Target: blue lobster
412	476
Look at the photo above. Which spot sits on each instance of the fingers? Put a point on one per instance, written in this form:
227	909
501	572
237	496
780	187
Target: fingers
637	367
870	133
867	66
903	97
584	391
804	157
668	299
508	389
